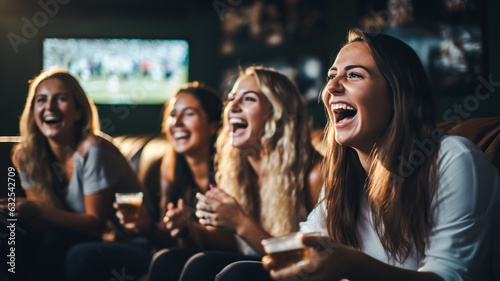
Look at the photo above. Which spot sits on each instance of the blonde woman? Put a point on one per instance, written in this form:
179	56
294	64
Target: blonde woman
67	170
266	169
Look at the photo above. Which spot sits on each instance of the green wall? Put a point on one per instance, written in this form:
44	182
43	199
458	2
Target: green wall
201	27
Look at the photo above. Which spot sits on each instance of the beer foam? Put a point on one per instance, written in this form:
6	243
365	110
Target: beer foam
128	197
283	243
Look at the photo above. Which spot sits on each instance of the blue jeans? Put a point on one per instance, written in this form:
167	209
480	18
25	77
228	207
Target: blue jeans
40	254
167	264
243	271
206	265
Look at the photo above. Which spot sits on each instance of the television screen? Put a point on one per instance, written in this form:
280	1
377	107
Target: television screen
121	71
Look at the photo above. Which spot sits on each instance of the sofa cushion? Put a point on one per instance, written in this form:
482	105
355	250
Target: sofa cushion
483	131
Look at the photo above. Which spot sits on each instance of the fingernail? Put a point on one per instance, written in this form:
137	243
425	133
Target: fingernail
212	186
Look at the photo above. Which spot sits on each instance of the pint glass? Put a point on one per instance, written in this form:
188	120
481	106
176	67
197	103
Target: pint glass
287	250
129	205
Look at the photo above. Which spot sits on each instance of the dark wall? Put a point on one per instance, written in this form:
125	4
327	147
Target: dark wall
467	105
196	21
198	24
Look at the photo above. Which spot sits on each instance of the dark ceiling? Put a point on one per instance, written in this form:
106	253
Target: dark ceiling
97	8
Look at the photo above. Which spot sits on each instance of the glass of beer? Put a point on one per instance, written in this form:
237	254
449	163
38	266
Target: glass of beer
129	205
287	250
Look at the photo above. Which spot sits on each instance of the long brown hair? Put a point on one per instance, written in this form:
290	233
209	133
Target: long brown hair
181	178
399	198
33	154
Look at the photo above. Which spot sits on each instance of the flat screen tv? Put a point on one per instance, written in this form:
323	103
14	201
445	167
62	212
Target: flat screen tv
122	71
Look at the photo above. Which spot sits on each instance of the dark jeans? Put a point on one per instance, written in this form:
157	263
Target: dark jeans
243	271
40	255
167	264
206	265
107	261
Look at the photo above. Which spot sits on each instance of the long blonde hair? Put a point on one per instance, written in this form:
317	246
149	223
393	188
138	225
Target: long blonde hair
33	155
286	151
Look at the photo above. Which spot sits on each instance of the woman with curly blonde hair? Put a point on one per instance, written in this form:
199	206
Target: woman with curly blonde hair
267	171
276	157
68	171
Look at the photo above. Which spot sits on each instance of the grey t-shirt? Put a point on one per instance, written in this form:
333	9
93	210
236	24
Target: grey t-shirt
100	169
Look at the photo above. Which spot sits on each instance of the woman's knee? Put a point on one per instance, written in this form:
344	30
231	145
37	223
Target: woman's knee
198	259
82	260
161	254
167	264
243	270
84	253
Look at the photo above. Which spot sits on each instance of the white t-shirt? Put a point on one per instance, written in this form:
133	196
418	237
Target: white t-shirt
98	170
466	209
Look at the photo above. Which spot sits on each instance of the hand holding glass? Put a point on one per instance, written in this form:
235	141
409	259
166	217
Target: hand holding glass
129	205
288	250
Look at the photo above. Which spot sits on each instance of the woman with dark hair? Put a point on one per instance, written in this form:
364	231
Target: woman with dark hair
402	200
191	124
183	172
191	121
68	172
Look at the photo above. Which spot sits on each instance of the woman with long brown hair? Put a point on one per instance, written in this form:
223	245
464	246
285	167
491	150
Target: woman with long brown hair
403	201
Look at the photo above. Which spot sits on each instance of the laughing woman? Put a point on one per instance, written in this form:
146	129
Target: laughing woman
267	173
386	220
68	171
191	121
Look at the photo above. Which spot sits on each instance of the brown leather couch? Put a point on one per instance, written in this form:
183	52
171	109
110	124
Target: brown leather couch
484	132
145	151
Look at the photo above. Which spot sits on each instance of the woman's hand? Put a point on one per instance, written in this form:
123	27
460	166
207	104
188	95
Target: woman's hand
21	207
328	260
177	219
143	222
331	261
218	209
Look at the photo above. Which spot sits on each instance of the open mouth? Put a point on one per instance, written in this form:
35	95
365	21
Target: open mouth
51	120
181	135
343	112
238	125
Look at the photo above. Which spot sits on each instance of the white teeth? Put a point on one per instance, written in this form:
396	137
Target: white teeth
236	121
178	135
51	118
341	106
